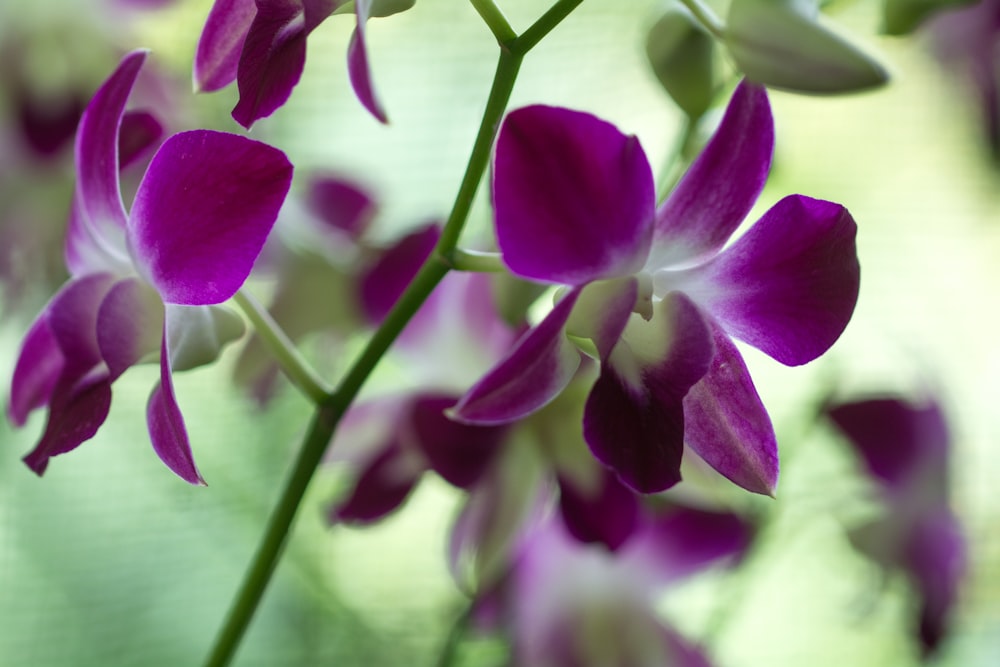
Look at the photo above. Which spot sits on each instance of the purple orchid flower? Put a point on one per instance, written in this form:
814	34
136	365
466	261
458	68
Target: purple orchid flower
558	590
653	294
905	448
145	283
262	45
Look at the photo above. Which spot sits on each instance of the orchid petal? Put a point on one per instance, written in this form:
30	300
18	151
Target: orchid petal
574	197
342	205
608	514
539	367
683	541
897	440
720	187
274	54
73	314
603	311
202	213
98	193
357	64
460	453
129	325
139	131
384	282
727	425
197	334
77	408
383	485
39	365
218	54
789	285
633	418
166	424
937	560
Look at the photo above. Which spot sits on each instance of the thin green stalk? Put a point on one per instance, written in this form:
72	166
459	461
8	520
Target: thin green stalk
333	406
450	648
706	17
543	26
287	355
495	20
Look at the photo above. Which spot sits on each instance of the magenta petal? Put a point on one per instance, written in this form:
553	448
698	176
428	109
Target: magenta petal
727	424
220	44
381	488
539	367
936	559
896	439
38	368
789	285
722	184
274	54
139	132
129	325
98	193
357	65
76	410
341	204
166	425
203	212
607	515
460	453
384	282
633	418
682	541
574	197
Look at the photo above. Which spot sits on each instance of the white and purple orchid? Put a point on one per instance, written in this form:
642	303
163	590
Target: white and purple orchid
144	283
261	44
568	604
653	294
905	447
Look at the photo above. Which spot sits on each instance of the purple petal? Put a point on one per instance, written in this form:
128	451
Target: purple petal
140	130
129	325
789	285
357	64
382	487
607	515
936	558
384	282
220	44
460	453
341	204
537	369
721	185
39	365
727	424
73	318
633	419
98	193
77	409
166	425
574	197
274	54
202	213
682	541
896	439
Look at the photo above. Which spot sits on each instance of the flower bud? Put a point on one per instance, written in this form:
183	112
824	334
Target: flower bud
682	55
781	44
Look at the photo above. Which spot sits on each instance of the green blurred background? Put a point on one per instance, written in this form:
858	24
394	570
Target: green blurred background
110	560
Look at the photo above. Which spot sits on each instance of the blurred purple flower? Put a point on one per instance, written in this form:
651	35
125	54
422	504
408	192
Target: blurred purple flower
144	283
566	604
654	295
262	45
905	448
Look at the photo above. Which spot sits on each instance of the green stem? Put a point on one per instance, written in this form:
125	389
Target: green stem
450	648
287	355
495	19
706	17
476	261
332	407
